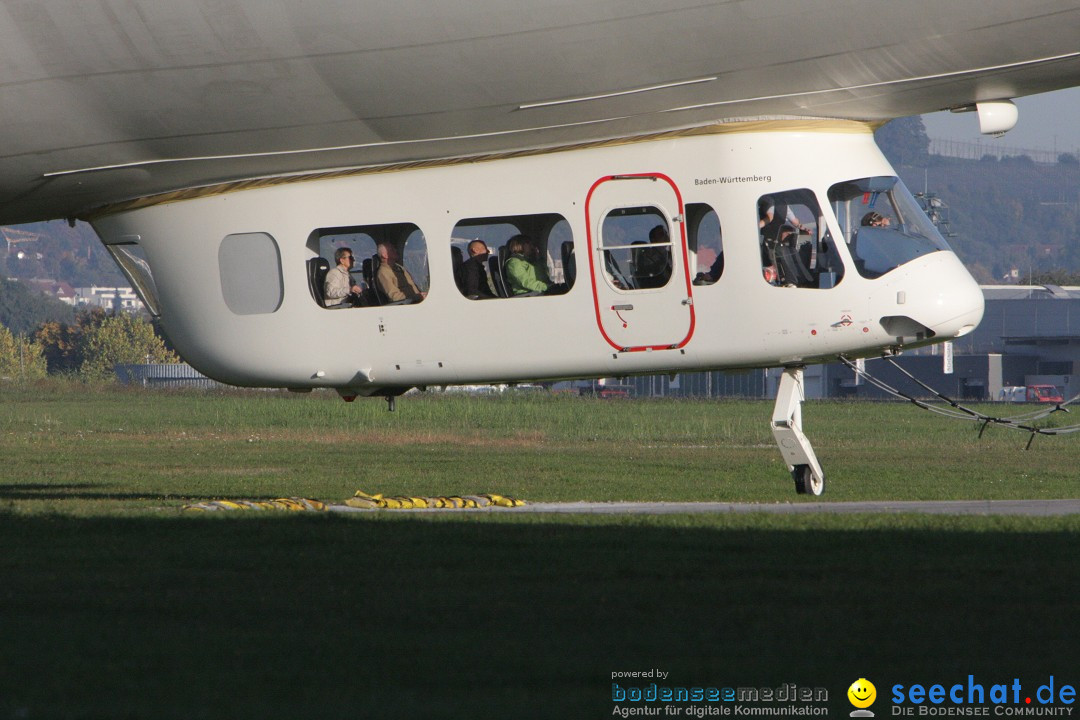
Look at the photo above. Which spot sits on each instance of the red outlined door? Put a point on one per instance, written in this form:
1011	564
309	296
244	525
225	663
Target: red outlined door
638	262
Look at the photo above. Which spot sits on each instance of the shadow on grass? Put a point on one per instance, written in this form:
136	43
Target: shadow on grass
22	491
329	616
79	491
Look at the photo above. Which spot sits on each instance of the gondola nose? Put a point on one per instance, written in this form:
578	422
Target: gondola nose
936	299
958	304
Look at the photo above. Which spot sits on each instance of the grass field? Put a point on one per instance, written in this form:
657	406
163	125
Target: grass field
115	603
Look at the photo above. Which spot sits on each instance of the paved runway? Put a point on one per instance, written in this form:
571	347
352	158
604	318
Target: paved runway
1041	508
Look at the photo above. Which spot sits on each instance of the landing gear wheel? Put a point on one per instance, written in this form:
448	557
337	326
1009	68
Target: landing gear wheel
787	431
805	482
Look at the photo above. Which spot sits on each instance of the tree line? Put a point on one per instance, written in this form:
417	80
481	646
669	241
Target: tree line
88	347
1008	214
22	309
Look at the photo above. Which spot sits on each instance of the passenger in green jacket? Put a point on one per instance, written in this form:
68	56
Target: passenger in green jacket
525	271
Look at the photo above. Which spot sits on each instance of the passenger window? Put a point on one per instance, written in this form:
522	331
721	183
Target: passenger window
706	243
636	244
513	256
797	249
368	265
250	268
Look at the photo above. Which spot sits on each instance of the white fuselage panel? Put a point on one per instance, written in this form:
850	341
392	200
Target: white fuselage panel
601	326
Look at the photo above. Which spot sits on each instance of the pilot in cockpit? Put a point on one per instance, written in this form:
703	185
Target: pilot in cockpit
875	219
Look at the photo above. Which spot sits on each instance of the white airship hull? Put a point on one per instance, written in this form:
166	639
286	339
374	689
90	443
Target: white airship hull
740	321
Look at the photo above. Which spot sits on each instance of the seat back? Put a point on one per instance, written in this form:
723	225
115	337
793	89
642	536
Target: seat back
569	263
495	268
369	275
457	258
790	267
317	268
371	272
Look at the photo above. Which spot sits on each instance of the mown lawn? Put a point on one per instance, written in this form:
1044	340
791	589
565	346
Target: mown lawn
72	450
115	603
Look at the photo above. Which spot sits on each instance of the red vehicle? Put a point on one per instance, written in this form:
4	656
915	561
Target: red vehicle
608	391
1044	394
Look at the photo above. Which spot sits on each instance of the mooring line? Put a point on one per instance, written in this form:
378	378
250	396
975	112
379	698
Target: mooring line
961	412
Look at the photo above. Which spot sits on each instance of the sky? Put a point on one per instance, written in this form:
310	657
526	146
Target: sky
1050	121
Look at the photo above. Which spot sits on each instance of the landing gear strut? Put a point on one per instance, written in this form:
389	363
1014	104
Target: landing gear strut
787	429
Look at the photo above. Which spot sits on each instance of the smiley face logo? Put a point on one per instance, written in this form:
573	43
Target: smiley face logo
862	693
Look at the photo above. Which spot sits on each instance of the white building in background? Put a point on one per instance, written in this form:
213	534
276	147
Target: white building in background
108	298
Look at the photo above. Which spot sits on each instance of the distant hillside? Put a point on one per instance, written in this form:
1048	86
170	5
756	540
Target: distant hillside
69	254
1007	214
1012	214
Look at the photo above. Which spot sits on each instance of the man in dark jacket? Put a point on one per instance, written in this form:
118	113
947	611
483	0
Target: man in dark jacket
474	272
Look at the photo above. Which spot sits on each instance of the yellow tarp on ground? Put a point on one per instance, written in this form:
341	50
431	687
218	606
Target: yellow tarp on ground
362	500
403	502
293	504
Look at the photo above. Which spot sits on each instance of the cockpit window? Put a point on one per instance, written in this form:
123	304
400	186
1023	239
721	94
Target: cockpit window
882	224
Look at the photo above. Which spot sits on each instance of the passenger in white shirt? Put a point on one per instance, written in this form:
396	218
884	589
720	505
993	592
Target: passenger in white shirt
339	288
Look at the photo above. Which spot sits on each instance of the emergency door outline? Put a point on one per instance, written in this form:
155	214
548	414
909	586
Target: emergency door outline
639	320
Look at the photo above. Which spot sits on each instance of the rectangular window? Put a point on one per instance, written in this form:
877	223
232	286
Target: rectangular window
369	265
706	243
513	256
250	268
796	246
636	243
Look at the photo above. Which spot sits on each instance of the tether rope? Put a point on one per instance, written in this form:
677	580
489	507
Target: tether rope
957	411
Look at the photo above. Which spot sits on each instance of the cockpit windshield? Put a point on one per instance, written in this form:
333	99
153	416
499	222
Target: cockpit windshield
882	224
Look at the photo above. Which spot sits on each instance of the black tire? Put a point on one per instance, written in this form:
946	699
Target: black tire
804	481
